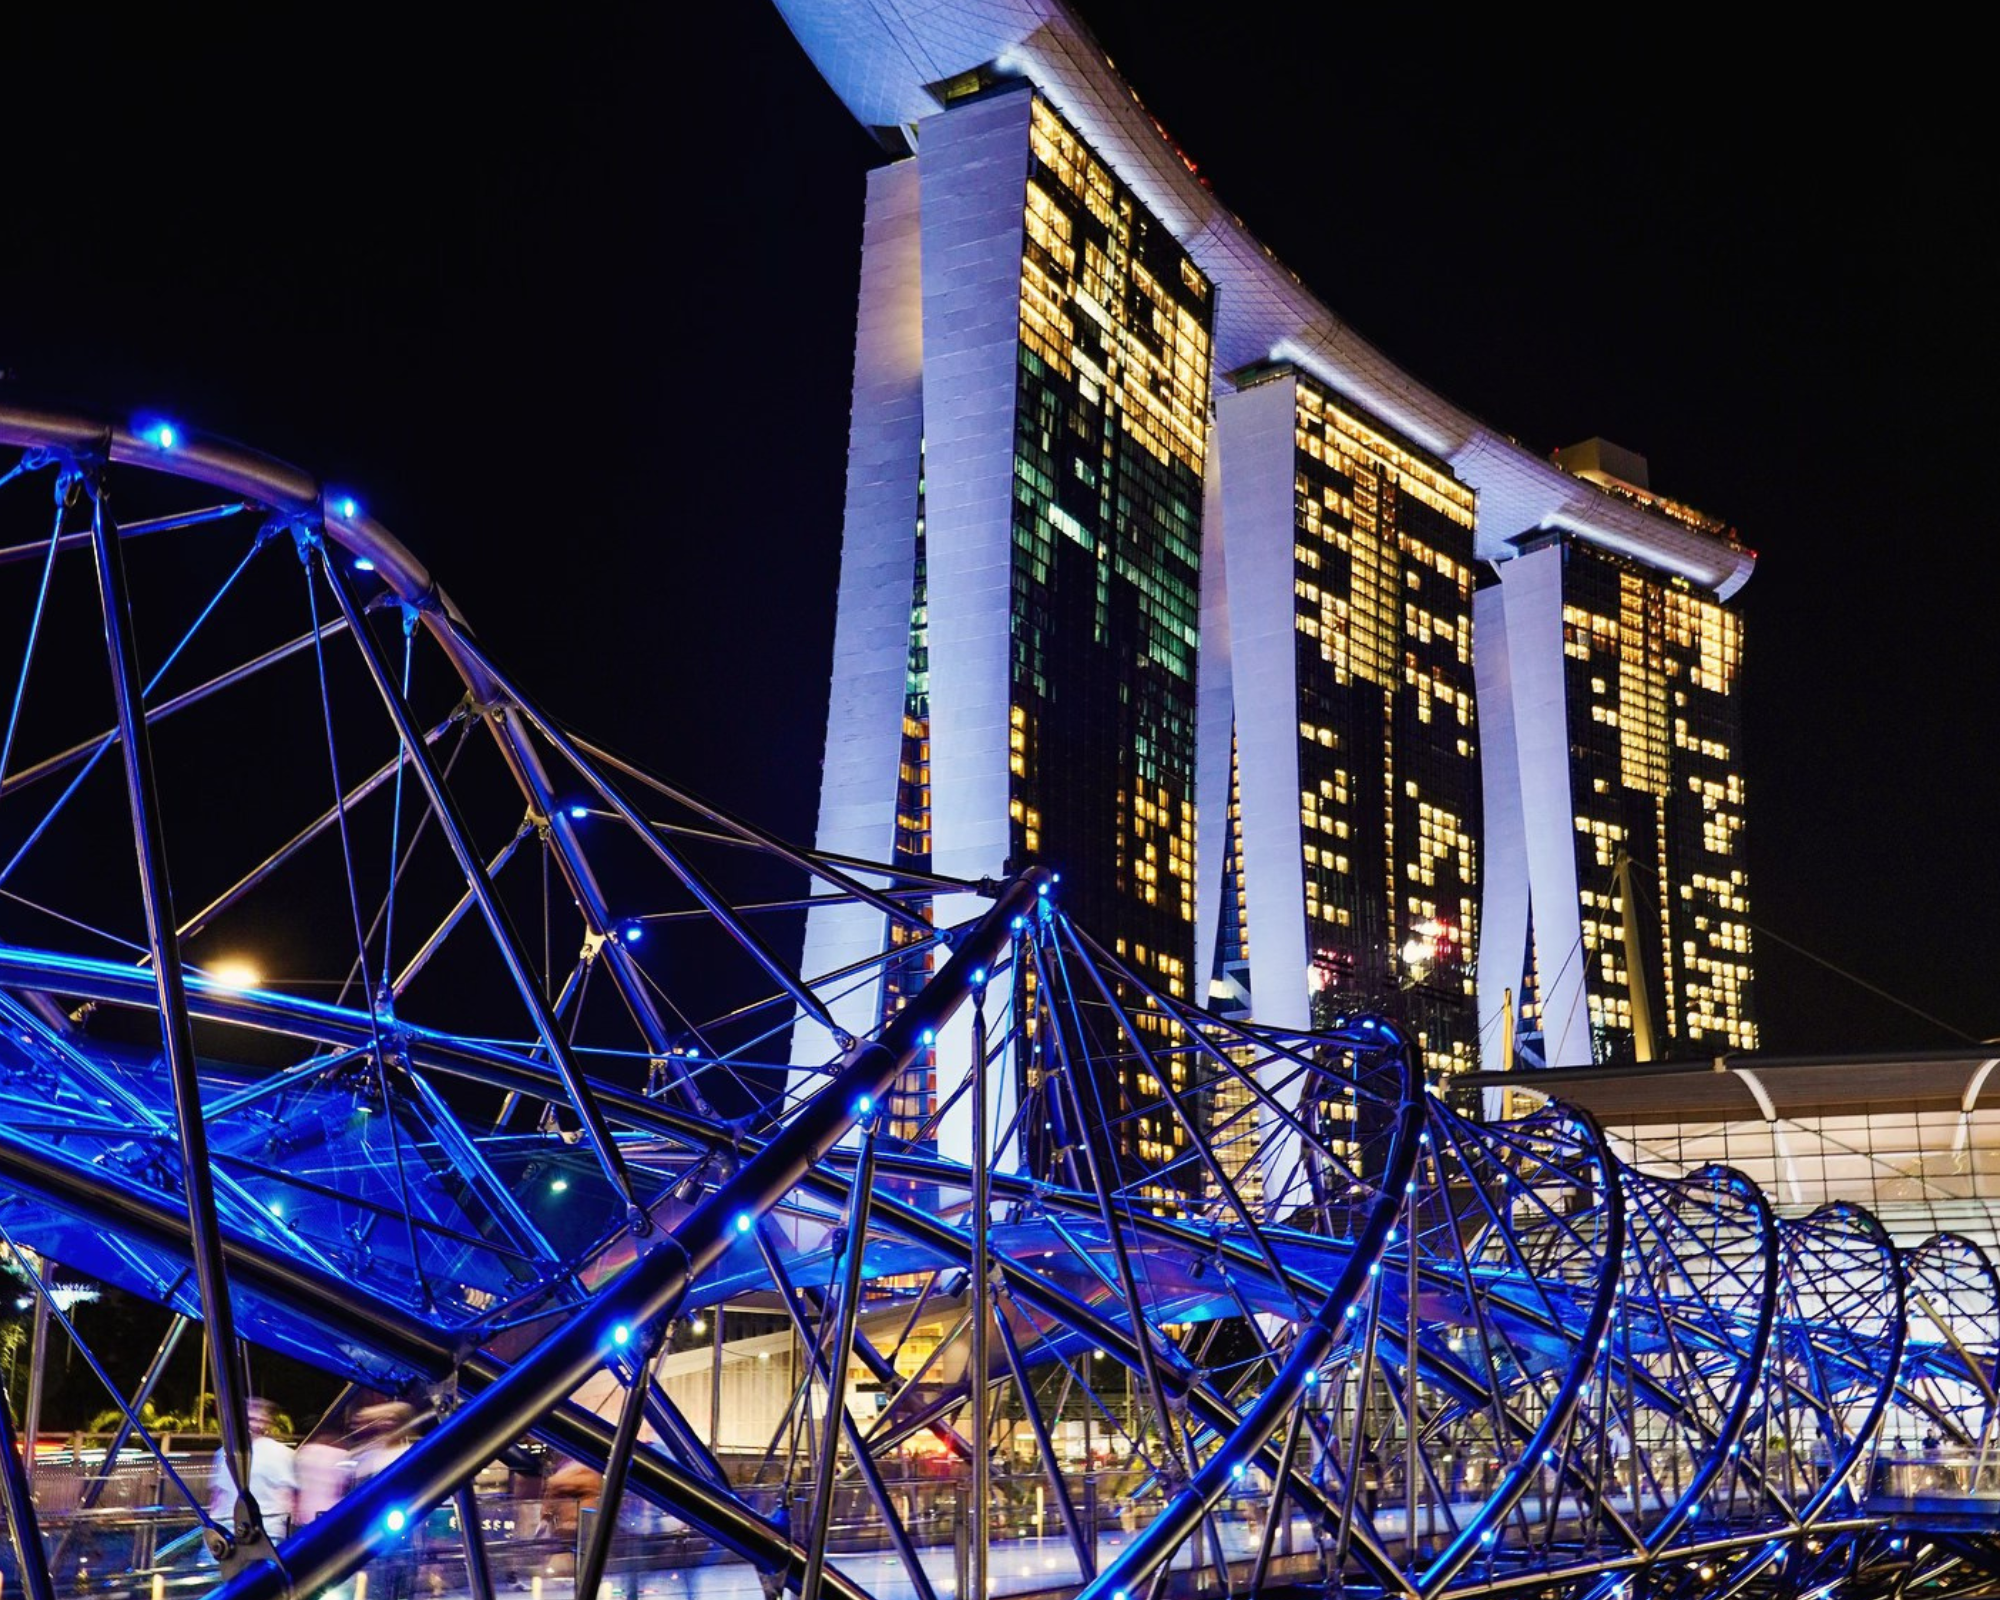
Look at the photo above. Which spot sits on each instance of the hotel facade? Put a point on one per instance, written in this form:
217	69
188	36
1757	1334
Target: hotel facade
1321	695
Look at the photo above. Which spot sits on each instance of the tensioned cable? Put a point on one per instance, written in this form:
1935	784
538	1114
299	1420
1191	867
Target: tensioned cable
1872	988
402	980
34	634
54	1305
63	916
306	553
153	683
396	807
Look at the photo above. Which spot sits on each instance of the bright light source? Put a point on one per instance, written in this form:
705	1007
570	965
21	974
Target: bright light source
743	1222
235	975
363	564
579	812
346	508
396	1520
864	1105
634	933
699	1325
161	435
560	1186
622	1334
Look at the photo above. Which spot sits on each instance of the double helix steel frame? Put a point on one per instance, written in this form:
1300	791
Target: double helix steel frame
1331	1332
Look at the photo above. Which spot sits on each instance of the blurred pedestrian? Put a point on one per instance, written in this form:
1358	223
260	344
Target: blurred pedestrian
274	1481
381	1433
325	1468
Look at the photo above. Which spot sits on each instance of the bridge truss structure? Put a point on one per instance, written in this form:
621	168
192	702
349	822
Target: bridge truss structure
506	1116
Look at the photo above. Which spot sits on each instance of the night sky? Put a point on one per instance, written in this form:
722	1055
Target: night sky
572	309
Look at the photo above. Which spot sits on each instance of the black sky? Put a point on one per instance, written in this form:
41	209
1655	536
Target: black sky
572	309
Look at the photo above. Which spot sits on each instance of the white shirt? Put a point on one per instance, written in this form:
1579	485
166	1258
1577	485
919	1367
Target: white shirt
274	1480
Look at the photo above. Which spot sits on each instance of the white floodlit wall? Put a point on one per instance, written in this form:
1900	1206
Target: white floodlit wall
1519	659
857	797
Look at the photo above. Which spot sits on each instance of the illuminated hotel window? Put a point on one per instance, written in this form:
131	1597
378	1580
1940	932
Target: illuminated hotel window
1111	431
1653	686
1387	753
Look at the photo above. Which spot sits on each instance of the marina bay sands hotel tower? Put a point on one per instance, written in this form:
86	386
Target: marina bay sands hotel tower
1321	694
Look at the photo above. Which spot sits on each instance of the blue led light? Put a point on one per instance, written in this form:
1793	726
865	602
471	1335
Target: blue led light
930	1036
346	508
864	1105
559	1186
634	933
1237	1470
363	564
396	1520
743	1222
622	1334
1020	923
978	976
162	435
579	812
1041	888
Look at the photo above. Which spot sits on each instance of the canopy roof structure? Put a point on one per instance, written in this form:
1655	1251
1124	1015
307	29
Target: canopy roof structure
1753	1086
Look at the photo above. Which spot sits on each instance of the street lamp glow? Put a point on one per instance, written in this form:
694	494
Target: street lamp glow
235	974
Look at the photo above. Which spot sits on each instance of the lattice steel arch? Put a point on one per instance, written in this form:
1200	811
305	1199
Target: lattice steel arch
1335	1319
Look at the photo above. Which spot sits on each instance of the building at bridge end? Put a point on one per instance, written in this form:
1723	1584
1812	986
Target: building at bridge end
1322	695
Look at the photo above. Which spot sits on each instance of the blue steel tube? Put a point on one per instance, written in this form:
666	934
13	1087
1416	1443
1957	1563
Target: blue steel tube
343	1540
23	1531
177	1033
501	926
1178	1520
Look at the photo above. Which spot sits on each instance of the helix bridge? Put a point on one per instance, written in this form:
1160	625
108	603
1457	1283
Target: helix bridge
516	1103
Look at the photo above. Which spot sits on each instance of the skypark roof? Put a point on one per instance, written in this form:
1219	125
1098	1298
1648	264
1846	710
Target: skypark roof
885	58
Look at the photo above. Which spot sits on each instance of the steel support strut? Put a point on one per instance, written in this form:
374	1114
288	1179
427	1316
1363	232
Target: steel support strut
1149	1553
977	1370
23	1531
835	1367
340	1542
498	922
177	1034
871	1474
